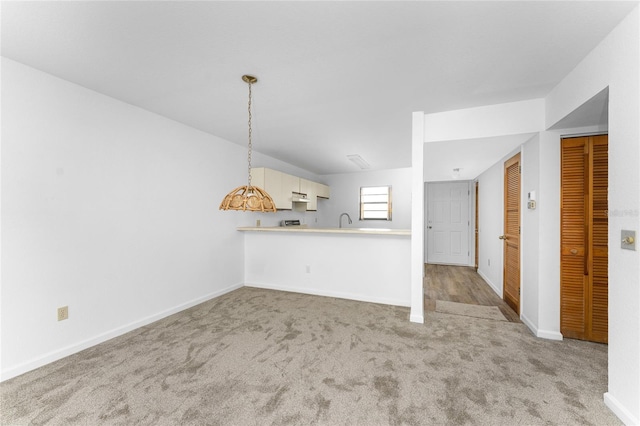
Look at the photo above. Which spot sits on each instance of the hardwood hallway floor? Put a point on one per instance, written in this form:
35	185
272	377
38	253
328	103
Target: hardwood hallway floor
461	284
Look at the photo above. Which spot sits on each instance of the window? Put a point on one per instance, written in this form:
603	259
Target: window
375	203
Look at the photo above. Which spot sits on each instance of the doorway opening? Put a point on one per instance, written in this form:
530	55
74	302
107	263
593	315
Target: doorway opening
448	236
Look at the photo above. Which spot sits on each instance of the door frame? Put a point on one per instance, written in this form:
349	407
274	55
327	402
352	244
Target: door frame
476	237
472	219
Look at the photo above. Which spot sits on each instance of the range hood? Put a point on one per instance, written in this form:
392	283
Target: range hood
298	197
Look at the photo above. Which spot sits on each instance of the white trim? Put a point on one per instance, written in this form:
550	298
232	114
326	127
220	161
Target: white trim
619	410
543	334
336	294
417	217
529	324
491	284
417	318
550	335
101	338
471	233
449	264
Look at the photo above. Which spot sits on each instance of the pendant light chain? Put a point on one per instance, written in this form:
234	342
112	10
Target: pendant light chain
250	145
249	198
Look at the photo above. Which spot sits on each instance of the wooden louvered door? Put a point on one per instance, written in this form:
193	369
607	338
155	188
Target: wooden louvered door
584	233
573	238
511	237
598	256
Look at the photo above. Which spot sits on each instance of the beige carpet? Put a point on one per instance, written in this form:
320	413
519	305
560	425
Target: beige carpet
261	357
464	309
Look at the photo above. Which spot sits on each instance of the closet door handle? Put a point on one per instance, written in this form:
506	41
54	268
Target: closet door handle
574	251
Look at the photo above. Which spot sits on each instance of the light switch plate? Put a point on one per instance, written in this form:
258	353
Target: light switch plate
628	240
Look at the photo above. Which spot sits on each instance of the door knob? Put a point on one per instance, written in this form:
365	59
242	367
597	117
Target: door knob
429	227
574	251
503	237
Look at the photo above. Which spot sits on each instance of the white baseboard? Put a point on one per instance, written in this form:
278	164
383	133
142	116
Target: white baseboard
417	318
80	346
543	334
550	335
491	284
339	295
529	324
617	408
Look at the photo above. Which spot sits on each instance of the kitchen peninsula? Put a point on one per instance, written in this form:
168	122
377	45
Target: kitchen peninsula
366	264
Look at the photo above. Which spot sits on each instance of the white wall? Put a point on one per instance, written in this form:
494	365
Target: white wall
485	122
490	226
371	268
345	198
417	217
548	209
539	269
542	227
513	118
615	63
529	237
491	223
108	209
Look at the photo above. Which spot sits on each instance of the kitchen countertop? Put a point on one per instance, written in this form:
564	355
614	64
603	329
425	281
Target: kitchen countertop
303	229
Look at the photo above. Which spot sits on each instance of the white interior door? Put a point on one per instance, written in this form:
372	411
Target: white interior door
448	223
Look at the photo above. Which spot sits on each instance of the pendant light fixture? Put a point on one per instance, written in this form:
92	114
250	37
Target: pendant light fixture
248	197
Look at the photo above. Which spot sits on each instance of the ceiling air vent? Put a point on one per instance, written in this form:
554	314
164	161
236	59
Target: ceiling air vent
359	161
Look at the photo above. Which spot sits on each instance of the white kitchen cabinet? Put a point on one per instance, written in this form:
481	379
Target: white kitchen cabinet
323	190
281	186
257	177
273	186
310	188
278	185
265	179
290	184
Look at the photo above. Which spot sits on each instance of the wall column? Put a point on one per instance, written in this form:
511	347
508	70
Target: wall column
417	218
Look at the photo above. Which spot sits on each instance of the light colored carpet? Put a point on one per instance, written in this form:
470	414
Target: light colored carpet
261	357
464	309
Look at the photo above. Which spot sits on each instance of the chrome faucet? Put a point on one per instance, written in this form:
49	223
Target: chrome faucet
348	218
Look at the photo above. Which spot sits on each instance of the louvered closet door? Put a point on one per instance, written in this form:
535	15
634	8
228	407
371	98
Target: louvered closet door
573	238
511	237
583	271
599	255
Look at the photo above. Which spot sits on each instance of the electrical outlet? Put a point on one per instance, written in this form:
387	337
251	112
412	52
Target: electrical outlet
308	269
489	262
63	313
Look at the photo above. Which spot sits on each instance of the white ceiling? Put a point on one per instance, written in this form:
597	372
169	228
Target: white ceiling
335	78
471	157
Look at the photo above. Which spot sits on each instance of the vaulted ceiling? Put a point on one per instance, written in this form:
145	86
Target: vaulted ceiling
335	78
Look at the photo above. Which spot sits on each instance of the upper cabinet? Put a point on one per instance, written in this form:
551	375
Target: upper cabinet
281	187
290	184
310	189
323	191
271	179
